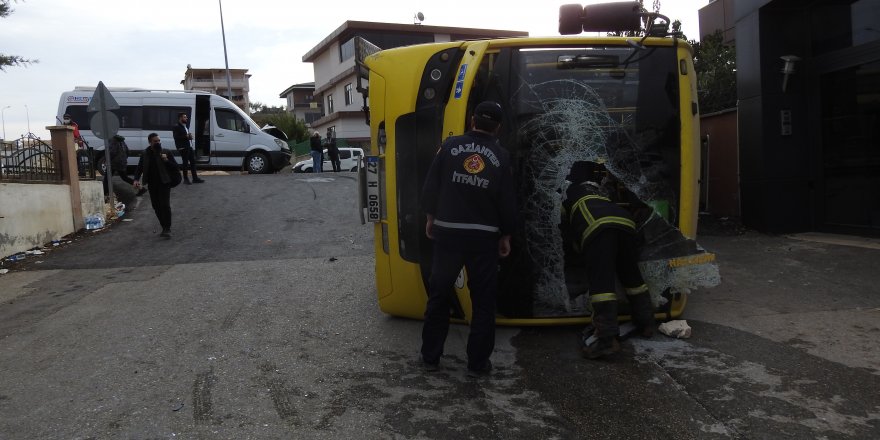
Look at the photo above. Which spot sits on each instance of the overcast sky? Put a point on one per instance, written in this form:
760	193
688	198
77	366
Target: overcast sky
149	43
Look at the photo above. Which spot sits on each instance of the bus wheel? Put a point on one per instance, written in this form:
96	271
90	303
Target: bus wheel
571	19
257	163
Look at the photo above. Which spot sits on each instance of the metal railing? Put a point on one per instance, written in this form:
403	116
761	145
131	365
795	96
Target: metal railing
30	160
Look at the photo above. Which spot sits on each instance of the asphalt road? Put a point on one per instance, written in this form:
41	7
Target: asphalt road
258	319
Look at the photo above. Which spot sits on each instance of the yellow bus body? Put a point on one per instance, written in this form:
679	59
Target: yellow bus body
393	91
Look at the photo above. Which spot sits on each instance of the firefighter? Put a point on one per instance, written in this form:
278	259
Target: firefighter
604	234
470	208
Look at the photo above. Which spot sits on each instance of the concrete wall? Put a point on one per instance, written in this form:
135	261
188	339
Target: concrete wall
92	197
32	214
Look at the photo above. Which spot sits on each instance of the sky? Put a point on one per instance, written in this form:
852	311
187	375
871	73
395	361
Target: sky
130	43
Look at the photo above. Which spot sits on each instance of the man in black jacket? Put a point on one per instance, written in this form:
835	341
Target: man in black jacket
183	143
470	205
154	170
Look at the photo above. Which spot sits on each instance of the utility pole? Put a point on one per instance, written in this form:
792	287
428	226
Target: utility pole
225	57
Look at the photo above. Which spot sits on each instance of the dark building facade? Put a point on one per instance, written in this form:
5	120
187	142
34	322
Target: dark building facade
808	85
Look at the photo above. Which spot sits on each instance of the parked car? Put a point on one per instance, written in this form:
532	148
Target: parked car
348	161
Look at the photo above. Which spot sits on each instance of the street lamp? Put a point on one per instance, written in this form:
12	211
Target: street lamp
28	113
3	117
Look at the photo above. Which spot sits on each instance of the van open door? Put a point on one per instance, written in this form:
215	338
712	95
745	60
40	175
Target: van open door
201	127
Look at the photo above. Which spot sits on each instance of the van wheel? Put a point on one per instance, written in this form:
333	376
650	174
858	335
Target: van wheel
257	163
100	165
353	169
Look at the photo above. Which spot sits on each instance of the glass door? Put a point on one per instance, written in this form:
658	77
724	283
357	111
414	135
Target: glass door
850	155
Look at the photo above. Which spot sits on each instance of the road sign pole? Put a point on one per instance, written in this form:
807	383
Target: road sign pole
108	172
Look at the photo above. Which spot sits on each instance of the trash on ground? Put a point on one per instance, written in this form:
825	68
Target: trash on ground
4	271
676	329
94	221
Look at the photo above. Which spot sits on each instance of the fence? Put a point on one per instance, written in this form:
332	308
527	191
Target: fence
30	160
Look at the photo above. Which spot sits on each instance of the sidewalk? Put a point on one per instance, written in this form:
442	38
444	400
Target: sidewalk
815	292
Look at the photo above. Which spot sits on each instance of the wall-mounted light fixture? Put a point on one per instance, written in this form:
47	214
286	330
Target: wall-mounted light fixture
788	68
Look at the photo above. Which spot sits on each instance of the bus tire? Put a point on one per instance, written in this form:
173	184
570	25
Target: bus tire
257	163
571	19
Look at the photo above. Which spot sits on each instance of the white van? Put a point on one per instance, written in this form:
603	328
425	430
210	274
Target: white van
223	135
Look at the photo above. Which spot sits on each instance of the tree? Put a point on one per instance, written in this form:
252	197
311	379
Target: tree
715	63
10	60
295	129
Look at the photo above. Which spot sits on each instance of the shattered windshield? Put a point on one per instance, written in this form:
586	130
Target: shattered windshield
616	106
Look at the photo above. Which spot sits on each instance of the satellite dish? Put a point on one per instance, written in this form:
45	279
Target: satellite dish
420	17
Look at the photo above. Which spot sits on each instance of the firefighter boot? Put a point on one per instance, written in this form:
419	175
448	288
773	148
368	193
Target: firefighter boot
606	328
642	310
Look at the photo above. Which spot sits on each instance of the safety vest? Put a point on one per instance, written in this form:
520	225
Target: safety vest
585	213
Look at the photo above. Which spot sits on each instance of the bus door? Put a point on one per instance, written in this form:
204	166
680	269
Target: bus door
201	128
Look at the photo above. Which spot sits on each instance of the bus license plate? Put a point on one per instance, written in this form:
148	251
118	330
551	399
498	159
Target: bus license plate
374	211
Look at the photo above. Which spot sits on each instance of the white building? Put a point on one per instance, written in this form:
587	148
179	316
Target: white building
213	80
335	70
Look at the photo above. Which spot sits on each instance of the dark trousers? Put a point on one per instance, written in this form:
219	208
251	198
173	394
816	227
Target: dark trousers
334	160
482	273
160	198
611	254
122	175
187	162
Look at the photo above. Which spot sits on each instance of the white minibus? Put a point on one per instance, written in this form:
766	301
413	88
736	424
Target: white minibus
223	135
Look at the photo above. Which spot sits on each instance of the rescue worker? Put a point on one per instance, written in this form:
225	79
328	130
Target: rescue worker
469	201
604	233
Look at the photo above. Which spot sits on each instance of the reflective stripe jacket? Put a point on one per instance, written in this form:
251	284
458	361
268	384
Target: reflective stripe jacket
469	189
584	213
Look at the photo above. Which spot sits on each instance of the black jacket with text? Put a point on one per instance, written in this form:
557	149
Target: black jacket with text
469	190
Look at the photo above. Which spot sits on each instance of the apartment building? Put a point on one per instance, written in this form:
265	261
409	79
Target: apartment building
335	70
301	101
214	80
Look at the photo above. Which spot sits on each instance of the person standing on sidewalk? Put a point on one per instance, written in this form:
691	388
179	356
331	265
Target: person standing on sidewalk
470	205
154	170
317	153
333	151
183	143
82	156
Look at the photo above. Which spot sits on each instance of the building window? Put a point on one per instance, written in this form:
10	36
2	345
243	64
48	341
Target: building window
348	96
346	50
329	104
